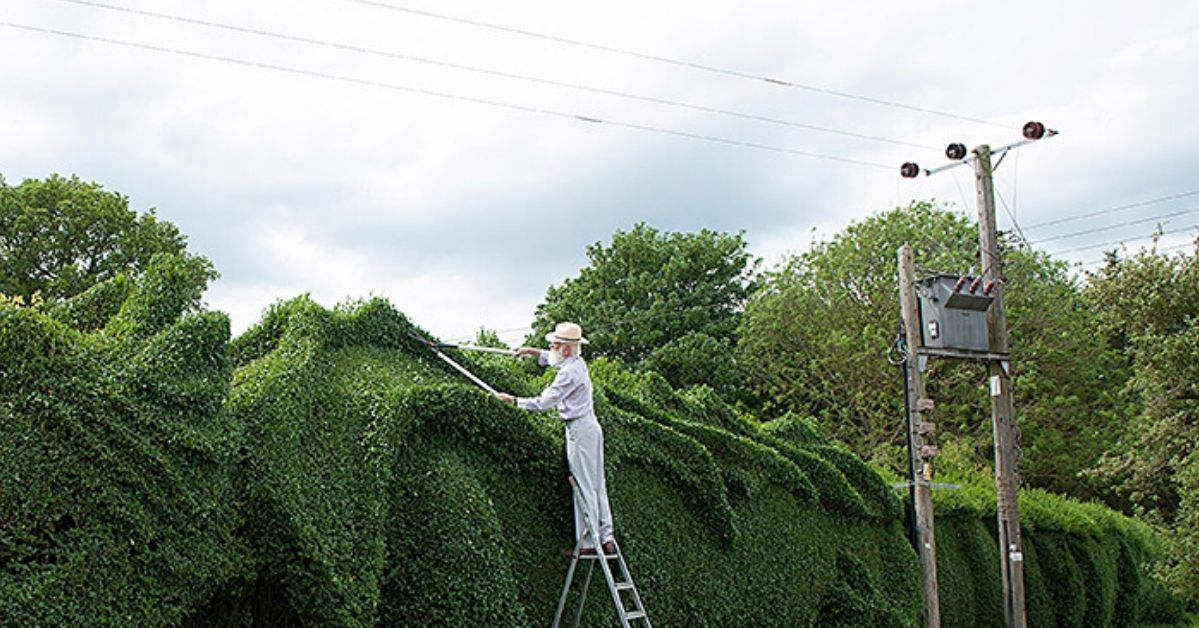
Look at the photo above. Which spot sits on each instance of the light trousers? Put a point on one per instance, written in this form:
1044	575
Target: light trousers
585	458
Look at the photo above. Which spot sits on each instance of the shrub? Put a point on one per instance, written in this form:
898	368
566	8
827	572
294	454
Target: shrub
325	469
1084	565
117	504
383	489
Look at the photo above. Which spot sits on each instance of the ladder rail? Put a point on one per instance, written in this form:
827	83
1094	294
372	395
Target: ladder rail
639	605
583	596
570	574
614	588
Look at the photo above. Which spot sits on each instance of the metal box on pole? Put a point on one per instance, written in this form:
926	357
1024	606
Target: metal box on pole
953	312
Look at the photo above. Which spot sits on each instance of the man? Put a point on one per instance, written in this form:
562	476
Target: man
570	393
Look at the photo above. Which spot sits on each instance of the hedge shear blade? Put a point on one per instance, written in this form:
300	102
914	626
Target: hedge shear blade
449	345
436	349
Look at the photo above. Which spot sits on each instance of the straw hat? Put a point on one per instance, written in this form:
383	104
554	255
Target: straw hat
566	332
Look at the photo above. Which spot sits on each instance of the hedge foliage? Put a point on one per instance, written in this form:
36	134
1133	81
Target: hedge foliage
382	489
117	502
324	469
1084	565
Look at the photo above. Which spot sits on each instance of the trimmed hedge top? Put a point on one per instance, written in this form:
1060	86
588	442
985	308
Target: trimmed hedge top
117	503
384	489
325	469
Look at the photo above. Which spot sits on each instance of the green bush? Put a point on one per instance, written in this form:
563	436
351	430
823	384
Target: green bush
117	502
325	469
1084	565
383	489
697	358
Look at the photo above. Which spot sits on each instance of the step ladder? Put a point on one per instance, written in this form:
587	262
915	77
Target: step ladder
618	588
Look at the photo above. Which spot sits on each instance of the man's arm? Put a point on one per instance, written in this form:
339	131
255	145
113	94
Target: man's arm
563	383
543	356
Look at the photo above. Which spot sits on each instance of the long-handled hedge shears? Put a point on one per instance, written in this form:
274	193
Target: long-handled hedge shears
436	348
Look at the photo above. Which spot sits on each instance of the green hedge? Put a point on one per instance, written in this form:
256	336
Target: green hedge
324	469
381	489
117	503
1084	565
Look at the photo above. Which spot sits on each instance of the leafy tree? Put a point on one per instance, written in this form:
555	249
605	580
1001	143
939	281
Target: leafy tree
1149	305
648	288
698	359
815	338
59	237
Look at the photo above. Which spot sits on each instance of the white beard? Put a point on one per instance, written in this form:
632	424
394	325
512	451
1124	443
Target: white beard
555	358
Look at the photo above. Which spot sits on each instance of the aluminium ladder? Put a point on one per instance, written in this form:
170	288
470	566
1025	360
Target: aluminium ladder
616	588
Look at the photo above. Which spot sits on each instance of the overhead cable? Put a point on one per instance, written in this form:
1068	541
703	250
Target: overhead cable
629	317
447	95
1125	240
1012	215
1129	223
671	61
1164	249
1112	210
493	72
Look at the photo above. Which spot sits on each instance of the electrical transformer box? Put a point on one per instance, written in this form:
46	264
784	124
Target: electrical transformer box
953	312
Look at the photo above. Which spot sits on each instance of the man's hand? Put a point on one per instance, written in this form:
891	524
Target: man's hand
527	352
506	398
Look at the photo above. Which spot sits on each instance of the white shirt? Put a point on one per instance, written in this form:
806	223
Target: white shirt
570	391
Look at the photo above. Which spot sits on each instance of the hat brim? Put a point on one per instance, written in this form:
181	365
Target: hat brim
552	337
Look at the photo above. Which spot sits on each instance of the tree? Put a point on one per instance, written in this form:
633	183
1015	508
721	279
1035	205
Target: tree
1149	306
59	237
815	339
648	288
698	359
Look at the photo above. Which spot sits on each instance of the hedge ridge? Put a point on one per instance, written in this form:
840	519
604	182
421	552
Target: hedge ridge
441	440
116	458
322	468
1084	565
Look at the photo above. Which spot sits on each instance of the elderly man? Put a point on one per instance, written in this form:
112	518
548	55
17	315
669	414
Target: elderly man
570	393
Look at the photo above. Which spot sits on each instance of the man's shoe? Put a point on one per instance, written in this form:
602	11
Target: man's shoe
610	548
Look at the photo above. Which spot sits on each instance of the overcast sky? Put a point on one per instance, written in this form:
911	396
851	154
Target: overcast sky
462	213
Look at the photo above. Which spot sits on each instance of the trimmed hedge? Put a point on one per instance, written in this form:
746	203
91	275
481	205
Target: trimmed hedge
1084	565
117	504
324	469
383	490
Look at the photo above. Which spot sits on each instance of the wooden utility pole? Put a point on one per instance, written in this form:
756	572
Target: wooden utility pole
1003	419
926	544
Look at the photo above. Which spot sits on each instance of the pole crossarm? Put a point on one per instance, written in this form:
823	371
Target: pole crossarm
964	162
956	152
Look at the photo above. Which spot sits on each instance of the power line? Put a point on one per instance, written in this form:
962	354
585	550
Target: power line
1118	242
1129	223
630	317
1113	209
498	332
1165	249
448	96
1011	214
670	61
498	73
961	193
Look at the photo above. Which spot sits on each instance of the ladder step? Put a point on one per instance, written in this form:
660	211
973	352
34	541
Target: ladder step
597	557
611	575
